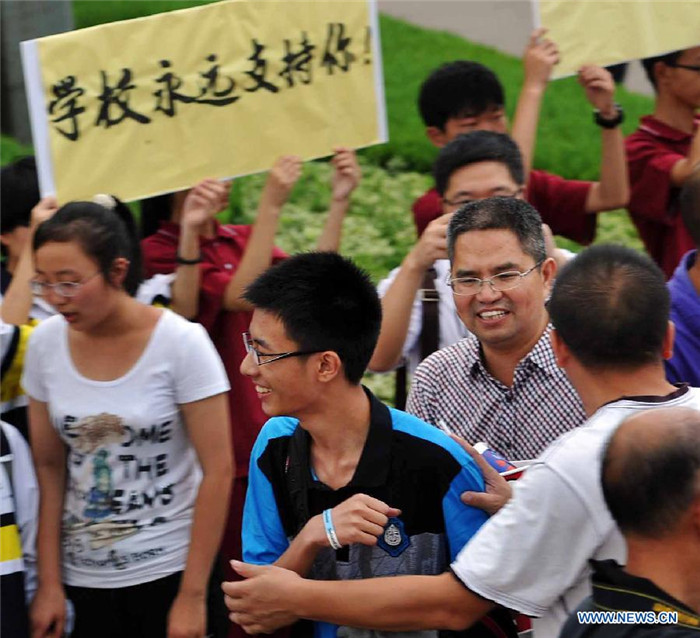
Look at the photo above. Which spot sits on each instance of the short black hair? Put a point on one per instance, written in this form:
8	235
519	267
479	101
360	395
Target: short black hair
649	485
689	203
325	303
104	233
610	306
19	193
500	213
474	147
667	58
455	89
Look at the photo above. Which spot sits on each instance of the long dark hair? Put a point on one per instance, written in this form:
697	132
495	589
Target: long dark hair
103	232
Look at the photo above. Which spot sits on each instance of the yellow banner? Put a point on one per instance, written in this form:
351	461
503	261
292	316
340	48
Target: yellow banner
155	104
605	32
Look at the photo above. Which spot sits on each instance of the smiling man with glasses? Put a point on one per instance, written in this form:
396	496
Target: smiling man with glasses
501	384
419	314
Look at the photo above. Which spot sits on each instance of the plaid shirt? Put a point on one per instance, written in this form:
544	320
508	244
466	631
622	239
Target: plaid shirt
452	387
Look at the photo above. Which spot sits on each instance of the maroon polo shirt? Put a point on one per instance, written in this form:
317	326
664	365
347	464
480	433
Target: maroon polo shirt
221	256
652	151
560	202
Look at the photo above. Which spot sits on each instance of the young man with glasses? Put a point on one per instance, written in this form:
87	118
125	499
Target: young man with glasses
662	154
341	486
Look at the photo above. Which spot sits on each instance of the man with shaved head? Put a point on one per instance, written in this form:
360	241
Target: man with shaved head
651	484
610	310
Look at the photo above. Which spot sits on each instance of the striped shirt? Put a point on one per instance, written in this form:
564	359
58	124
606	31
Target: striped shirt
453	388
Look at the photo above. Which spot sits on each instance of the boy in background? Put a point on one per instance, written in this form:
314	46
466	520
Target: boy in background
464	96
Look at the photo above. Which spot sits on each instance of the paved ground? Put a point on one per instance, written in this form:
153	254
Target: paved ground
502	24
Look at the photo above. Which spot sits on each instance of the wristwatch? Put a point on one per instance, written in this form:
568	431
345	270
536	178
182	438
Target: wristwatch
612	122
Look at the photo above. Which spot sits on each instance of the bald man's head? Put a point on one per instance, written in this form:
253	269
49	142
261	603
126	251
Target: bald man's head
651	470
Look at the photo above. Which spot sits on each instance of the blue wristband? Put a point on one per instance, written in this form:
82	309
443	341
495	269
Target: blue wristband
330	530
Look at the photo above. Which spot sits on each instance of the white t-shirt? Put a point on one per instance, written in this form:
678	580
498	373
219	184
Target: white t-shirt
132	473
451	328
533	555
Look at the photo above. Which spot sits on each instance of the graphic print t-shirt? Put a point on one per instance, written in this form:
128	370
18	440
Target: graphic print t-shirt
132	473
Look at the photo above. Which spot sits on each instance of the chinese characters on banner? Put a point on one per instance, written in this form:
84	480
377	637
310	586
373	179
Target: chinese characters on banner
606	32
155	104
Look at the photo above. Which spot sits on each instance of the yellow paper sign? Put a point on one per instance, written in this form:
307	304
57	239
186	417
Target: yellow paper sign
606	32
156	104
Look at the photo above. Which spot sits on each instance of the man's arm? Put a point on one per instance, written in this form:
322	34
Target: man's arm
346	177
685	167
258	251
271	597
398	301
613	190
527	557
202	203
538	60
18	299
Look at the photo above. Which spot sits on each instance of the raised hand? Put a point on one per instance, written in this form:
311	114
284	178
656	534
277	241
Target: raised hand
541	54
281	179
204	201
599	87
432	244
346	173
44	210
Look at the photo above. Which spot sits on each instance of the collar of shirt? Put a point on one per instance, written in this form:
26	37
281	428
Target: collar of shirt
373	467
657	128
615	589
684	297
541	356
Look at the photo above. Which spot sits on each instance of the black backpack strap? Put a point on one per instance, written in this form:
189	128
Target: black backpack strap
400	393
296	473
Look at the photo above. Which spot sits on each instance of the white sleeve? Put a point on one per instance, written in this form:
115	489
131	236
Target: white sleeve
155	290
415	323
536	548
199	371
33	380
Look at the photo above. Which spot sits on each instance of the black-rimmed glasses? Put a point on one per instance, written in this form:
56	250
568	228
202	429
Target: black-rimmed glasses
461	201
689	67
263	358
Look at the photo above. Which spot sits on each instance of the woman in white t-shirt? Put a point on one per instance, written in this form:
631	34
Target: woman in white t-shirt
130	435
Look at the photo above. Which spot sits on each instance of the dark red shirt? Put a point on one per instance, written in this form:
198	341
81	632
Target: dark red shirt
221	256
652	151
560	202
